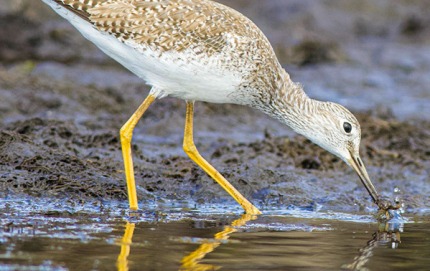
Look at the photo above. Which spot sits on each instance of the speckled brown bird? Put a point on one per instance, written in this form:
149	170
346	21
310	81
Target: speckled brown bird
201	50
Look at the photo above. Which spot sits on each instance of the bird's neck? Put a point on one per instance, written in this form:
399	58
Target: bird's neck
292	106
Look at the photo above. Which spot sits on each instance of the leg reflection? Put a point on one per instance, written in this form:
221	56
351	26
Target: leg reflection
192	260
122	262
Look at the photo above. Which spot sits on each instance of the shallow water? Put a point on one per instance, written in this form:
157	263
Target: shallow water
46	235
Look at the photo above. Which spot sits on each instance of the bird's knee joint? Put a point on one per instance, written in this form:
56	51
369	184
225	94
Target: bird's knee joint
189	149
124	135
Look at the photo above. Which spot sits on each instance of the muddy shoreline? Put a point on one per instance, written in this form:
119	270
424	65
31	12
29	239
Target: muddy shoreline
62	103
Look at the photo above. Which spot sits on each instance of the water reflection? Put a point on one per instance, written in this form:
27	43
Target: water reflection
122	261
192	260
388	233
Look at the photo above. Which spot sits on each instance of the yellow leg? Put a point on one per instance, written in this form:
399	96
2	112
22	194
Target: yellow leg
194	154
126	134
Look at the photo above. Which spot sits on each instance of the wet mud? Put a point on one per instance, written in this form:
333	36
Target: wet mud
62	103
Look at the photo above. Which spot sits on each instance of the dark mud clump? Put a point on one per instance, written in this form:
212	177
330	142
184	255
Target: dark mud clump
46	157
18	47
41	157
311	52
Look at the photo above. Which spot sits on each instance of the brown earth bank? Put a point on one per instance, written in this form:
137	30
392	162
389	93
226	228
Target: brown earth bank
62	103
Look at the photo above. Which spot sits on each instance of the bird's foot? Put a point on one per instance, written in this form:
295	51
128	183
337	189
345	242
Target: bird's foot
388	209
386	204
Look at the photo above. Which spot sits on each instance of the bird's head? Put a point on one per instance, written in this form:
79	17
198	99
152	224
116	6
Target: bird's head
337	130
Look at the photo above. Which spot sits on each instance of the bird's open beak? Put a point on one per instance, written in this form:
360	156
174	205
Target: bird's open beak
356	163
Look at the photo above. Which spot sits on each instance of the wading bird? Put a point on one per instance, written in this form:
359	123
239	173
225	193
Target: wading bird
201	50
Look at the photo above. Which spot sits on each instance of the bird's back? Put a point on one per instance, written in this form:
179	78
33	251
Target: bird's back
192	49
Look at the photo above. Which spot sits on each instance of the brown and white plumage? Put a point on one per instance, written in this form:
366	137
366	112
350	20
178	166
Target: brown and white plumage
200	50
198	36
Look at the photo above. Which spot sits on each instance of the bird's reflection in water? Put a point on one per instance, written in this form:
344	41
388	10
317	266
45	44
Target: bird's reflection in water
388	233
122	261
192	260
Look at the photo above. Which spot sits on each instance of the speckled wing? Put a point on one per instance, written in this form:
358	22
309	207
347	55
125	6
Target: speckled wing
167	25
181	39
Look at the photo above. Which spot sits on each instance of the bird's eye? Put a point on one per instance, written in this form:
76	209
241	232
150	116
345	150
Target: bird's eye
347	127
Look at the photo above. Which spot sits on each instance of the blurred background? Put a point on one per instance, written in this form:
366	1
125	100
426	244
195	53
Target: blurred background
364	54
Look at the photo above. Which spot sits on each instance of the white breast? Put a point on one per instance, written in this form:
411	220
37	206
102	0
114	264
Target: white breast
179	74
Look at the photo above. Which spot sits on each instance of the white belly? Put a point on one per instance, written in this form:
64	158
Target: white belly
170	73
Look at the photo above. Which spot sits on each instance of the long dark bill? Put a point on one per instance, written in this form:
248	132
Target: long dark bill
358	166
